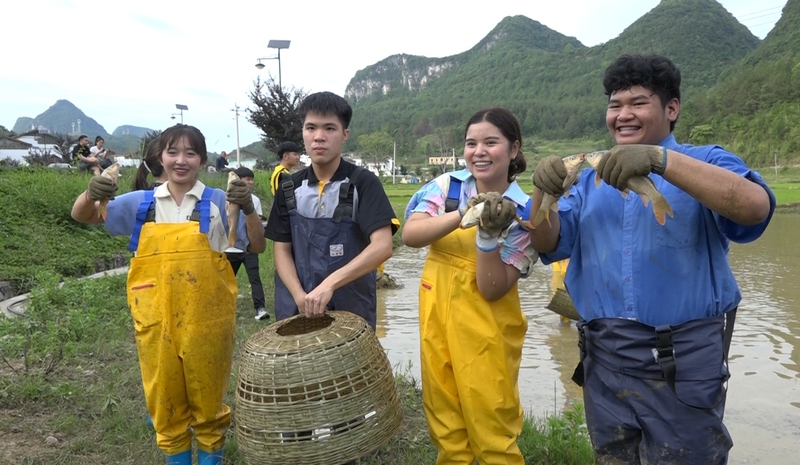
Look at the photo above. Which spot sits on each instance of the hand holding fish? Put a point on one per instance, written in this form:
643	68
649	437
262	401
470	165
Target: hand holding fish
239	193
497	215
624	162
102	188
549	175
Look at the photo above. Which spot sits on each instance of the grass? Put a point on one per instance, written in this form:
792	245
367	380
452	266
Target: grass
70	371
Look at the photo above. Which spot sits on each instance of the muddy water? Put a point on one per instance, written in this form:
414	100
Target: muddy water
763	412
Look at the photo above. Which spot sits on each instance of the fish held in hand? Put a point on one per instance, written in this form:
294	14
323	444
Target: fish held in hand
232	209
472	217
643	186
573	164
112	173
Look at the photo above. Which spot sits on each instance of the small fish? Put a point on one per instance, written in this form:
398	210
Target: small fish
573	164
232	209
112	173
473	216
643	186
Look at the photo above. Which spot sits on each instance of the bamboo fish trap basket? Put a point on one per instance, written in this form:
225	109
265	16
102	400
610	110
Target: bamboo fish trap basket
314	391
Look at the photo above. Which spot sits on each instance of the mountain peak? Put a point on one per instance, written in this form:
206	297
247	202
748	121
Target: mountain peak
521	30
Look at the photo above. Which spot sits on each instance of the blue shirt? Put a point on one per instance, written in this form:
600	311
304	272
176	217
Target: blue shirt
623	264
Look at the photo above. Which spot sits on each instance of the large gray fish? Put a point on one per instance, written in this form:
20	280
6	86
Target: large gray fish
643	186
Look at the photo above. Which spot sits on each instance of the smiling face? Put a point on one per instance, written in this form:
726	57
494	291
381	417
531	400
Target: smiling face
181	162
324	136
637	116
488	154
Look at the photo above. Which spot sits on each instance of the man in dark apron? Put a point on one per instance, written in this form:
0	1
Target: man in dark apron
657	302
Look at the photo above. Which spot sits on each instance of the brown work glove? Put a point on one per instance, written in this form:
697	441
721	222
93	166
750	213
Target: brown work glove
549	175
626	161
471	203
497	214
101	188
239	193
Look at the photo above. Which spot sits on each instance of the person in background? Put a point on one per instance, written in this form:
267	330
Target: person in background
240	254
100	153
222	162
657	302
288	158
471	322
83	158
181	291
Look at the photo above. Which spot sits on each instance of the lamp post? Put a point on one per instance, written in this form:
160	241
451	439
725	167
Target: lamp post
181	108
276	44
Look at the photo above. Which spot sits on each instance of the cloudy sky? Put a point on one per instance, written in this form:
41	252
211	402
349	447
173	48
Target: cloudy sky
130	62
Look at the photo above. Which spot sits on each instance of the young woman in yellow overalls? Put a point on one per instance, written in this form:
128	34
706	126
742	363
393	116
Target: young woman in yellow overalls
471	324
181	291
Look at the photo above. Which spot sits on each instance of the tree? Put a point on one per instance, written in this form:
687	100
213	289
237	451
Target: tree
5	132
275	113
376	144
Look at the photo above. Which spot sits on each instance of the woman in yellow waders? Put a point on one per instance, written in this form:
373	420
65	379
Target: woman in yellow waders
471	324
181	291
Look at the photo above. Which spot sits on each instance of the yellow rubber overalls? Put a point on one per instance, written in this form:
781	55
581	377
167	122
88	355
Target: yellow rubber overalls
182	296
471	351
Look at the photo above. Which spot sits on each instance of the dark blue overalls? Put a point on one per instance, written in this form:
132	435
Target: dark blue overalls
321	246
656	395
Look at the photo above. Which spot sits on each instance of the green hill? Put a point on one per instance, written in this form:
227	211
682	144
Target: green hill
755	107
60	118
550	81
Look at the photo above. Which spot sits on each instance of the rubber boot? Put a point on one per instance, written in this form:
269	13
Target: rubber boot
210	458
183	458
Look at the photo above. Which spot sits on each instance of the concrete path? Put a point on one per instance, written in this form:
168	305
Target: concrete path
16	306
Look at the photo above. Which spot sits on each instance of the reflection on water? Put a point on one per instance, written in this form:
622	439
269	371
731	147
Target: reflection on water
763	412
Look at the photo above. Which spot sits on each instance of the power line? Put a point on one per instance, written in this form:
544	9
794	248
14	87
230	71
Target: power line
759	11
757	17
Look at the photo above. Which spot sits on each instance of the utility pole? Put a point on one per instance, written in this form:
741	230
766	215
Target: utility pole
394	161
454	159
235	111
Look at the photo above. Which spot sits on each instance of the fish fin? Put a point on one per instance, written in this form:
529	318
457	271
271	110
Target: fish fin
662	208
541	215
625	193
597	179
645	199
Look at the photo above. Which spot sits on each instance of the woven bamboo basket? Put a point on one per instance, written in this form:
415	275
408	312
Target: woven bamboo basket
315	391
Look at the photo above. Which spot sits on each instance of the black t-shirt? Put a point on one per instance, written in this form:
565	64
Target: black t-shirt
374	210
79	150
221	163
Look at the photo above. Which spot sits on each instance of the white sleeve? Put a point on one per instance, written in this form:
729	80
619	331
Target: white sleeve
94	149
257	205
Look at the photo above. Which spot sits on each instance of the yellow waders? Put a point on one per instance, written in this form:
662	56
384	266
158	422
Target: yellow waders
182	296
559	273
471	351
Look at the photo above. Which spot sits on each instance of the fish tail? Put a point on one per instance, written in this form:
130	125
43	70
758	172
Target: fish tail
662	208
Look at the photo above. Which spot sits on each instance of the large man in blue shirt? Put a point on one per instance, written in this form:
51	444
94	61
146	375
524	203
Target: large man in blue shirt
656	302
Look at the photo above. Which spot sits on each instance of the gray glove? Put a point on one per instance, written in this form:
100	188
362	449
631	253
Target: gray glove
471	203
549	175
626	161
497	214
101	188
239	193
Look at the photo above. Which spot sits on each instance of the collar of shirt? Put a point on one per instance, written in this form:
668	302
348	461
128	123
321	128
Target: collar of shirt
196	191
513	193
669	142
345	168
